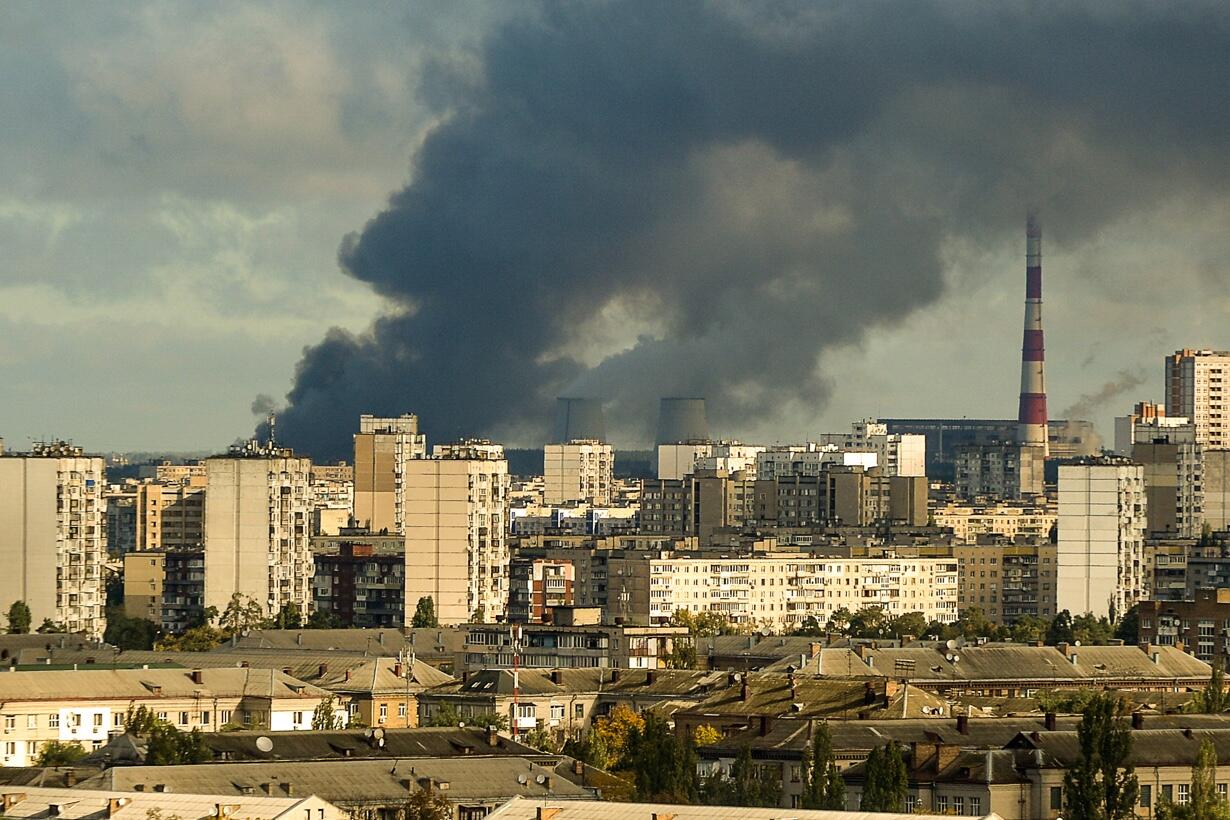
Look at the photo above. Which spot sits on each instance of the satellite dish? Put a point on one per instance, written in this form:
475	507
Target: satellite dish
956	658
264	744
1076	643
378	733
522	779
542	778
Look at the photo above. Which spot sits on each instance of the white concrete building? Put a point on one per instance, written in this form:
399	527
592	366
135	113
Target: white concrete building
779	592
457	531
678	460
1147	423
808	460
1196	387
52	539
1102	525
969	521
898	454
258	515
578	470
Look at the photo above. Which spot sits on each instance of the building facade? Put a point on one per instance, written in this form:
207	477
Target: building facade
457	531
971	522
171	513
382	448
1196	384
257	535
52	539
360	586
1008	581
578	470
1102	523
1007	470
536	585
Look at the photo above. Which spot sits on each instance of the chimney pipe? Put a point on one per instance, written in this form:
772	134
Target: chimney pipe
1050	721
1138	720
1032	418
963	724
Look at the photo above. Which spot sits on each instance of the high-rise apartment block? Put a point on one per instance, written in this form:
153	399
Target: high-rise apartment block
258	510
1007	470
1148	422
1174	488
382	448
897	454
457	531
1102	523
52	540
971	522
1007	580
1196	387
578	470
171	513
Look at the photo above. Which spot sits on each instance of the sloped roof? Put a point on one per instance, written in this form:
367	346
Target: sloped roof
444	640
771	694
76	804
1150	747
378	676
352	781
129	684
521	809
662	683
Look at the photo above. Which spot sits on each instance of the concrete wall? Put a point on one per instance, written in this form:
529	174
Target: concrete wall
28	535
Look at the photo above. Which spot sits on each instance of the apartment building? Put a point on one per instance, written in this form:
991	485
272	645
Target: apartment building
1166	568
1147	422
52	539
1174	491
457	531
568	645
579	470
171	513
1007	580
257	529
897	454
1215	475
360	586
809	460
382	448
143	584
780	591
121	504
536	586
1196	385
88	706
971	522
1004	470
332	498
1102	523
183	589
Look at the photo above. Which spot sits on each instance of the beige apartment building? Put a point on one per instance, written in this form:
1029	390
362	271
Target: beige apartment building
143	584
88	706
457	548
1197	382
257	540
382	449
52	540
781	591
970	522
1008	581
171	513
578	470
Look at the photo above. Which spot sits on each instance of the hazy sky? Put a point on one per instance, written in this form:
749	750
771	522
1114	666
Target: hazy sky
811	214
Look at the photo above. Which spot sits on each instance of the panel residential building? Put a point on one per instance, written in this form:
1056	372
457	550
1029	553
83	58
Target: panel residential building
578	471
457	531
1197	382
382	448
171	513
52	539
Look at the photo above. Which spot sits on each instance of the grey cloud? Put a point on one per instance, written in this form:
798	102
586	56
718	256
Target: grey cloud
585	164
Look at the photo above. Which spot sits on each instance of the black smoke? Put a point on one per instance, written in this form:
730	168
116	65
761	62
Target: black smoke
756	184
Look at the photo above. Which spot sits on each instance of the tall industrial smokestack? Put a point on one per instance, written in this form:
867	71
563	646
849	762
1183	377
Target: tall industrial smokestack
579	419
1031	419
682	420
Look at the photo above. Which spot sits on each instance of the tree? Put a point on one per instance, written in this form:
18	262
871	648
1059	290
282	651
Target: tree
1061	629
839	621
663	766
129	633
289	617
50	627
1212	700
201	638
1028	628
325	717
707	624
615	731
425	614
423	804
1203	801
749	784
869	622
908	623
319	619
1101	785
823	786
19	618
447	715
590	749
55	753
810	628
886	783
682	654
241	614
1128	628
705	734
1091	630
541	739
973	623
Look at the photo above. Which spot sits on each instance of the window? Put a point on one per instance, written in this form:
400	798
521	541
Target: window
911	803
557	711
941	804
162	715
98	720
384	712
224	715
1221	790
579	710
31	721
117	719
10	748
10	723
1146	796
205	718
296	718
53	720
1184	789
1168	792
958	805
975	806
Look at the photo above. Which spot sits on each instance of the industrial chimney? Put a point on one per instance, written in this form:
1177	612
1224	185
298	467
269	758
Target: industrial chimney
1031	420
577	419
682	420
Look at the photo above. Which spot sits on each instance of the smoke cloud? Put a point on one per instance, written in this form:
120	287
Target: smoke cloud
1089	403
633	200
263	405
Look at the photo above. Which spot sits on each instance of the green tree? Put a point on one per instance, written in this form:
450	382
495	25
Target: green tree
682	654
541	739
869	622
663	766
886	783
325	718
1128	628
50	627
19	618
1028	628
810	628
973	623
129	633
749	784
201	638
839	621
55	753
319	619
447	715
706	624
590	748
290	616
424	804
1212	700
425	614
1203	801
1061	629
241	614
823	786
908	623
1091	630
1101	785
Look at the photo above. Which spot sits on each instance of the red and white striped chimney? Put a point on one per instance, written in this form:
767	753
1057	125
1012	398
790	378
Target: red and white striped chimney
1031	419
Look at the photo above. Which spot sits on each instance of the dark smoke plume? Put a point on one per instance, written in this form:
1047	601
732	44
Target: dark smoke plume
754	183
1089	403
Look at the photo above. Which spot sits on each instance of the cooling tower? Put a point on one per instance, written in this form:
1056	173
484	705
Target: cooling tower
579	419
682	420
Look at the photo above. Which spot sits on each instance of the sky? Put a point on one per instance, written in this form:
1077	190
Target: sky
808	213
